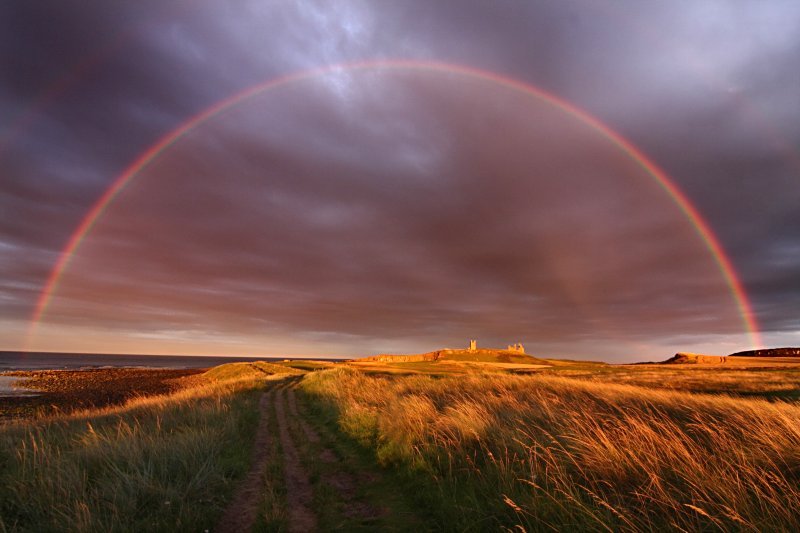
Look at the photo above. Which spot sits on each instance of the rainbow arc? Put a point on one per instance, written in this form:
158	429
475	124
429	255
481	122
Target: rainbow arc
701	227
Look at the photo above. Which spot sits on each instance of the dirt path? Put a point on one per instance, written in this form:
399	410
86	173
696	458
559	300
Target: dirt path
300	445
241	513
298	486
345	484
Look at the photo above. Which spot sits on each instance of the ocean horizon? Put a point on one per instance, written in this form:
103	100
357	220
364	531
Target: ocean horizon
11	360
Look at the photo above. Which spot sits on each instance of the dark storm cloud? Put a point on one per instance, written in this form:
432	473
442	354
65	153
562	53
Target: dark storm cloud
349	234
367	207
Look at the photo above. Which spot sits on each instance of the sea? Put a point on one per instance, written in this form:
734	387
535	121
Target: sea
80	361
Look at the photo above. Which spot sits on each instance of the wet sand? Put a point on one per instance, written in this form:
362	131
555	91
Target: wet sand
63	391
9	387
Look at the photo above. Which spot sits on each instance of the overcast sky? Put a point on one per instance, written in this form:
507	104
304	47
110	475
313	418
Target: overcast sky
386	209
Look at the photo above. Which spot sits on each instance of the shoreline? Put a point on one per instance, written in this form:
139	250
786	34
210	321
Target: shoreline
64	391
9	387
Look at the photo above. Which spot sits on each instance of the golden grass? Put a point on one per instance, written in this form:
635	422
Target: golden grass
779	383
544	452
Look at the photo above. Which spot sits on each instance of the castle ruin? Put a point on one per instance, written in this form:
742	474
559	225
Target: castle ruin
516	348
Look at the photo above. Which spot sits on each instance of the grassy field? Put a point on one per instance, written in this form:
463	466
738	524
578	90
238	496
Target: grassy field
450	446
547	452
756	382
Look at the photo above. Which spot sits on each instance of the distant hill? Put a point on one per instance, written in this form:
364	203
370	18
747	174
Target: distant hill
752	358
482	356
688	358
769	352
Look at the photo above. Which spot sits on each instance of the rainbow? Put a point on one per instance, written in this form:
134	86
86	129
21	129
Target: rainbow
700	226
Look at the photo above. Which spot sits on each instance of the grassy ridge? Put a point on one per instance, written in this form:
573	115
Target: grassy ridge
162	463
548	452
489	356
245	371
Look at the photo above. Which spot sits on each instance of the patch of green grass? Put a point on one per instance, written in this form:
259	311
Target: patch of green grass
301	364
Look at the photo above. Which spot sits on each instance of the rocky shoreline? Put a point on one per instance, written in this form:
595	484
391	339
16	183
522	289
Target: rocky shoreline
63	391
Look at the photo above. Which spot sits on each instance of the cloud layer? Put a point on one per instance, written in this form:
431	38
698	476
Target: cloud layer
386	209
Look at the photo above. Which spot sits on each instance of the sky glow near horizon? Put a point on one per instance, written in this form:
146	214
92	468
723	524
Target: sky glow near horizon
372	211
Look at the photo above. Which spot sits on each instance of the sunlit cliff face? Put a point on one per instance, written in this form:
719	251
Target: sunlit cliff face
380	209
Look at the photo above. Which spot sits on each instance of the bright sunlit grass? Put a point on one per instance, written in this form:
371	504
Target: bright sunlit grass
547	452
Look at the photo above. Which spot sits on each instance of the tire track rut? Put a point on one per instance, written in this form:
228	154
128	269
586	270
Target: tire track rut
299	492
345	484
240	515
292	424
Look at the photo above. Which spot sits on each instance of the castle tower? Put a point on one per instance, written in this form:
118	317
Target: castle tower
473	345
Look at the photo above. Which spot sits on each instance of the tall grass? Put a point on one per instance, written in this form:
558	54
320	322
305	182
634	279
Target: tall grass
164	463
543	452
